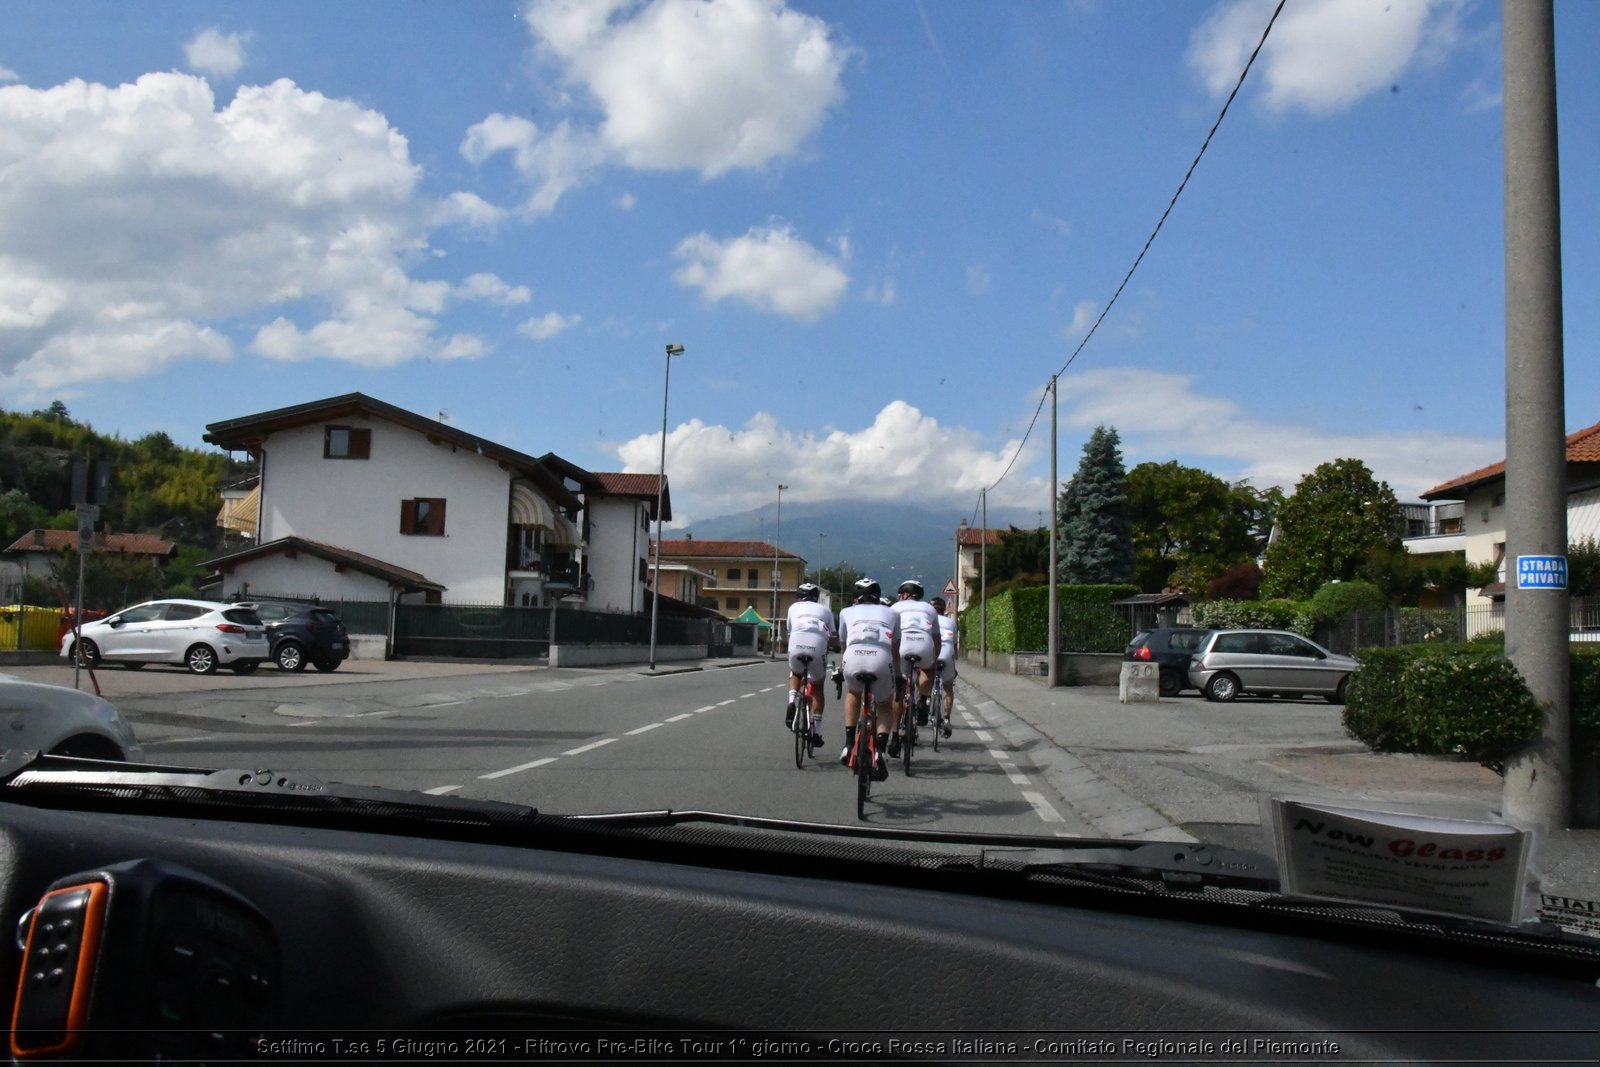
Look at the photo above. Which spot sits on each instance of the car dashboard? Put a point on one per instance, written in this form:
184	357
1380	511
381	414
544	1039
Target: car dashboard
252	934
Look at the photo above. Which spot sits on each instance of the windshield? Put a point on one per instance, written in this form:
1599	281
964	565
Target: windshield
550	348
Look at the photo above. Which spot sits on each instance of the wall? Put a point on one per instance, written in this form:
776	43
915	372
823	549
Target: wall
305	575
468	560
617	543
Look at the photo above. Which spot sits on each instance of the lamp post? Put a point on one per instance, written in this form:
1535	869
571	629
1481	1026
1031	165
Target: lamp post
777	537
661	481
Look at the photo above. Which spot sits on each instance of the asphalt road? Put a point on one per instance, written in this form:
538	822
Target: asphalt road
583	741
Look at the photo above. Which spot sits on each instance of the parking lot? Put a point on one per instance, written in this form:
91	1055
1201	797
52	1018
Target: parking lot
161	678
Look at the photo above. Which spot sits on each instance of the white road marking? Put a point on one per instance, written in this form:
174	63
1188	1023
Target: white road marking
685	715
721	703
747	696
581	749
518	768
981	735
371	714
643	729
440	791
998	755
447	704
1042	806
197	737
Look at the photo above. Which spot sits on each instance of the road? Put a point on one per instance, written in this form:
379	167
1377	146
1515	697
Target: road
600	741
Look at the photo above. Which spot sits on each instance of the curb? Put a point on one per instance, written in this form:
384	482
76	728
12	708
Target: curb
1106	807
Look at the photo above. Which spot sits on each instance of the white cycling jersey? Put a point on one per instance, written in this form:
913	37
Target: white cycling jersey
871	624
806	616
949	633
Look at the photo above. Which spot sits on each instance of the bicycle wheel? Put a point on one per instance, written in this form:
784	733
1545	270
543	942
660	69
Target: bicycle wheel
936	720
908	738
863	759
801	730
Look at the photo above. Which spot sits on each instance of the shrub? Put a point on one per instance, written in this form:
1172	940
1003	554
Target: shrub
1336	599
1253	614
1437	699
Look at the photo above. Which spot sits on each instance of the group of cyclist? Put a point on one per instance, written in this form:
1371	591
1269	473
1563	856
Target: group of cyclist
901	649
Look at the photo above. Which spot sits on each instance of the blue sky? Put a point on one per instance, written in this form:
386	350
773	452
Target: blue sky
876	228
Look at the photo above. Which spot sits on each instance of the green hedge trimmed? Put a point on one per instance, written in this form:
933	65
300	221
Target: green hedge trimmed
1019	619
1468	699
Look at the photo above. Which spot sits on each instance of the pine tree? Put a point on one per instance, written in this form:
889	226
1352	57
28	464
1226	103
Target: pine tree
1096	531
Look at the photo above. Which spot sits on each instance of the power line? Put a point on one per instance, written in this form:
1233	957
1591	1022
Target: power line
1228	103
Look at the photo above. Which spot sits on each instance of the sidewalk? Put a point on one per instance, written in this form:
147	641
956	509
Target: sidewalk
1183	768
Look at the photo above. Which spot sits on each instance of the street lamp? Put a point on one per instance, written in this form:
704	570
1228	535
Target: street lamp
661	481
777	537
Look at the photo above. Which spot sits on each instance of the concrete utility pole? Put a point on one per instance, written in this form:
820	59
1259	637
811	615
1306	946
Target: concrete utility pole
1055	611
777	539
661	484
1538	614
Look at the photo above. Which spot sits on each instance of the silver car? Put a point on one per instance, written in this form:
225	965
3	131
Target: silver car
63	722
199	634
1227	663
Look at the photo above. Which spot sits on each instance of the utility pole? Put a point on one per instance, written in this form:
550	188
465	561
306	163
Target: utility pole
661	483
983	576
777	538
1536	790
1055	610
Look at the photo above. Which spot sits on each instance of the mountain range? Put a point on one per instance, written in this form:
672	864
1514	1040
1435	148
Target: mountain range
890	542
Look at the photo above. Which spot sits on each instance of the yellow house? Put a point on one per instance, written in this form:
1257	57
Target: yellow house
736	574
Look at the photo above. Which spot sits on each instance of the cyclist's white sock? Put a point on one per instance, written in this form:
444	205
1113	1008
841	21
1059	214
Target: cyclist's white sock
791	696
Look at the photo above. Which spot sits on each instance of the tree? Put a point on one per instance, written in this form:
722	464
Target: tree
1338	519
1096	533
839	577
1242	581
1189	526
1020	554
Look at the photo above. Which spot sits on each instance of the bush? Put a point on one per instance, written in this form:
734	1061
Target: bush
1438	699
1253	614
1336	599
1020	619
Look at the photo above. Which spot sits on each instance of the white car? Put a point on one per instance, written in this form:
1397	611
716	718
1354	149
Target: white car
63	722
198	634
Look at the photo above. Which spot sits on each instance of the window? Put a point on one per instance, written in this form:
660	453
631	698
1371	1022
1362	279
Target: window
346	442
180	612
750	603
733	574
644	520
750	579
713	572
423	516
733	603
644	571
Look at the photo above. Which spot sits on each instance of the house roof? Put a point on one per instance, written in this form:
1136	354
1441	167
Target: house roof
247	433
690	548
132	544
609	483
1583	446
289	546
973	535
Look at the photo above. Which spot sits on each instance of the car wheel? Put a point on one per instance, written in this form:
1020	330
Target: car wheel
291	657
88	653
200	659
1222	688
87	746
326	665
245	666
1338	694
1171	683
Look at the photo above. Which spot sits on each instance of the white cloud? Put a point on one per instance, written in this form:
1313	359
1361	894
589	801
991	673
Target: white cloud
627	202
903	455
469	209
214	52
548	325
700	85
1083	313
146	213
493	289
978	280
768	268
1161	415
9	75
1322	55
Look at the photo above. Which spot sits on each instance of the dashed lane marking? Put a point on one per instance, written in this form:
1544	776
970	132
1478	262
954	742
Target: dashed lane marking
1042	807
590	747
518	768
439	791
646	729
680	718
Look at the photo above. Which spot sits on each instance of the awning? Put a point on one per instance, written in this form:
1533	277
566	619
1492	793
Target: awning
751	615
565	534
528	507
243	514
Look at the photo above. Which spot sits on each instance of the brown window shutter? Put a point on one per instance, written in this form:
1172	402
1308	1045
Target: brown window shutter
360	444
408	516
436	519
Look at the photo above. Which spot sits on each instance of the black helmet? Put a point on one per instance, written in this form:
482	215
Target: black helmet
807	591
913	587
868	590
938	604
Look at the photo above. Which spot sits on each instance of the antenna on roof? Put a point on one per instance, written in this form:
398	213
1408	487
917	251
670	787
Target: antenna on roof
444	416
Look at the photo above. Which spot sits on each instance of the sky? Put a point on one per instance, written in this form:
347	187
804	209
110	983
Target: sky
877	230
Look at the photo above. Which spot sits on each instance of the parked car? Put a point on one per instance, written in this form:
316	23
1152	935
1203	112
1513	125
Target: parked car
198	634
1228	663
63	722
1170	646
298	634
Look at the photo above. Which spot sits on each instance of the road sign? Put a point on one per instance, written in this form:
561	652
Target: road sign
1541	572
88	515
950	587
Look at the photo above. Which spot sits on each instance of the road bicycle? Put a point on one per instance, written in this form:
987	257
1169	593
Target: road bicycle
908	713
804	722
864	752
937	712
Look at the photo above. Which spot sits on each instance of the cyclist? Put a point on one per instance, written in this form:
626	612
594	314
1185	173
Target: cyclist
810	631
948	651
918	627
871	646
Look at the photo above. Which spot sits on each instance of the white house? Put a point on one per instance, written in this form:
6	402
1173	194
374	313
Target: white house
358	497
618	511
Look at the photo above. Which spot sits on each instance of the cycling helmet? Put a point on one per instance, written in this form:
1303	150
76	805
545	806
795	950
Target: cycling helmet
867	590
938	604
807	591
913	587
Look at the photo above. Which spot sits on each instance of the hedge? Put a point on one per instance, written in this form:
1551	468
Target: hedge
1438	699
1019	619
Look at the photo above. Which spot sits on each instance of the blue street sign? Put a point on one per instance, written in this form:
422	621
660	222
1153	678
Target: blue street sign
1541	572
